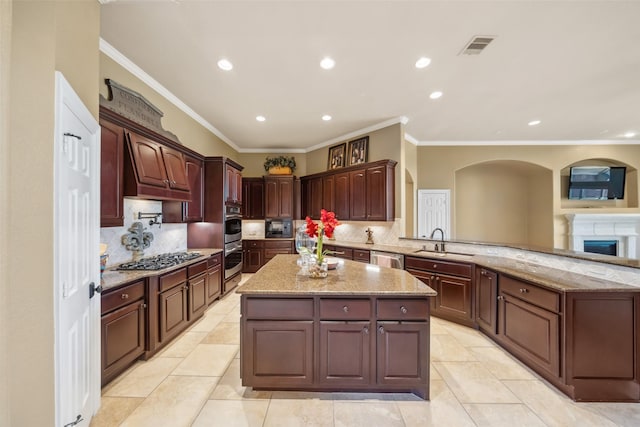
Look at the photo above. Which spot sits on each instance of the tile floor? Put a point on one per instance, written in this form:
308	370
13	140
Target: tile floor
195	381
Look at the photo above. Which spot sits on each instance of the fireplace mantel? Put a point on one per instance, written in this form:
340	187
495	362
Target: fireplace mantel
624	228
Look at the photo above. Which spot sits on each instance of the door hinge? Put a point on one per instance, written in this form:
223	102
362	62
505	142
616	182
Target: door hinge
93	289
76	422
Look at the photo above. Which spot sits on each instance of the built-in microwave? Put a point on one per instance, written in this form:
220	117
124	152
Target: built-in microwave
278	228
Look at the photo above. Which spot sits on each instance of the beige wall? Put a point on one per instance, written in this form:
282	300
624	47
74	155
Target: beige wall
438	166
191	133
5	52
45	35
254	163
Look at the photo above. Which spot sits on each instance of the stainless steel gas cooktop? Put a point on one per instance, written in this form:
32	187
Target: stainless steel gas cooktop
159	262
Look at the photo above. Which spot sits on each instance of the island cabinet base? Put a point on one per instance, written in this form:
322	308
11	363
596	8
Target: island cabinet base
335	343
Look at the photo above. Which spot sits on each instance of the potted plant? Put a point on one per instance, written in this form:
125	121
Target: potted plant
281	165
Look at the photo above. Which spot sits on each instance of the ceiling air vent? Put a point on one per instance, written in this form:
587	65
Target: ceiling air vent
477	45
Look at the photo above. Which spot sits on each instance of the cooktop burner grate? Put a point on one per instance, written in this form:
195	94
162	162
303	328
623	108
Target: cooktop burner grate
159	262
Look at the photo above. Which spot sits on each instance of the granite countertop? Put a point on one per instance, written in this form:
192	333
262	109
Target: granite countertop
552	278
279	276
113	278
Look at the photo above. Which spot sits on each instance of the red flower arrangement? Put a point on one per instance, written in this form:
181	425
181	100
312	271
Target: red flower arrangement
328	223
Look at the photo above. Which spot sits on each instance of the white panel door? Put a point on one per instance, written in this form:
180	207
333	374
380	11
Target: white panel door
76	258
434	212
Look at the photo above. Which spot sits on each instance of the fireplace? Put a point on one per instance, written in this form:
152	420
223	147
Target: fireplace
604	247
615	234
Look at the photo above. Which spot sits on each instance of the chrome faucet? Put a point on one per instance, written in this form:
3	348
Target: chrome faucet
441	247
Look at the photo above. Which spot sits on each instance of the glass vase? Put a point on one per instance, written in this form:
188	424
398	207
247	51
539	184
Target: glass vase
318	270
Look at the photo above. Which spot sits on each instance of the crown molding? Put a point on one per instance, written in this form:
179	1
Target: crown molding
400	119
527	142
410	139
272	150
130	66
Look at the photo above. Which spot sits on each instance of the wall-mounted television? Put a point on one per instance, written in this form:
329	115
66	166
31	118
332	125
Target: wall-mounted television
597	182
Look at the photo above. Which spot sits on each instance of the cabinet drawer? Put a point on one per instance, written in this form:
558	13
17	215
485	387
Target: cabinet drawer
346	253
252	244
270	253
531	293
428	264
122	296
170	280
278	308
345	309
214	260
403	309
273	244
361	255
195	269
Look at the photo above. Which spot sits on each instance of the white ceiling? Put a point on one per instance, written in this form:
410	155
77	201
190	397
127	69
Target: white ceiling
574	65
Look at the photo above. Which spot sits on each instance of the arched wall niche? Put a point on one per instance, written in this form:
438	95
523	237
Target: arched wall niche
504	201
630	199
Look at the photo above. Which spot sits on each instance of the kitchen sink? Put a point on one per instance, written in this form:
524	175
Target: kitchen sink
441	254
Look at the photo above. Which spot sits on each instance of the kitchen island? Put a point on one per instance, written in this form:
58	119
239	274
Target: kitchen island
363	328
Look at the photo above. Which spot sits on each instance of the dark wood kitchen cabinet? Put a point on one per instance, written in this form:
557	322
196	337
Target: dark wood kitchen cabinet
345	341
529	323
214	278
358	195
233	184
253	198
364	192
197	288
111	174
278	196
486	292
173	304
452	281
364	343
341	196
253	253
123	327
192	211
154	171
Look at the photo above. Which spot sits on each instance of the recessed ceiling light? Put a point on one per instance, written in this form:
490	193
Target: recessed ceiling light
534	122
423	62
435	95
326	117
327	63
225	64
261	118
629	134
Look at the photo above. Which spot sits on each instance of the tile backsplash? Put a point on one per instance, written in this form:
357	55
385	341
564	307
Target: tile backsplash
166	238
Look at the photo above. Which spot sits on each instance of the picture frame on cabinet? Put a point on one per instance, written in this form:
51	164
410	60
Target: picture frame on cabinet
358	150
337	156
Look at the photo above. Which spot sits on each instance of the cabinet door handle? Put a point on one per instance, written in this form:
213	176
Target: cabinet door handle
345	309
403	309
381	330
524	290
124	296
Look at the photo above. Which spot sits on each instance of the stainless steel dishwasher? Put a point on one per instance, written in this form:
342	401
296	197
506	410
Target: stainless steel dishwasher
387	259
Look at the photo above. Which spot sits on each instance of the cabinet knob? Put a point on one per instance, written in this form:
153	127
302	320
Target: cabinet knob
403	309
381	330
345	309
124	296
433	278
435	265
366	330
524	290
143	306
500	297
